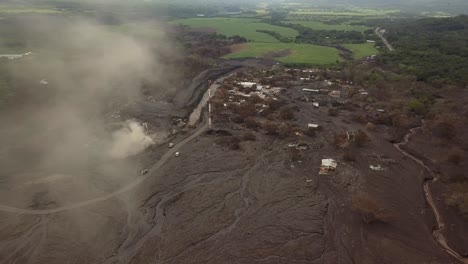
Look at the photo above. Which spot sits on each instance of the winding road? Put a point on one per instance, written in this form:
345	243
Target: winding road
437	230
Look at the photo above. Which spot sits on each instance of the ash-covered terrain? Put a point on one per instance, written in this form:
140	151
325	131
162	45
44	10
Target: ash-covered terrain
101	163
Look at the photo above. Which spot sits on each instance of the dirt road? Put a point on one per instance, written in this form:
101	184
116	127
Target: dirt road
437	232
195	117
378	32
167	156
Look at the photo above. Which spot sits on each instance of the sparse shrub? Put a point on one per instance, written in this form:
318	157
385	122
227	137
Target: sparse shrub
274	104
270	116
333	112
222	94
283	131
340	140
384	119
417	107
231	142
233	107
370	211
270	128
251	123
310	132
237	119
217	105
361	138
255	99
444	129
370	126
234	143
349	155
294	154
458	198
249	136
287	114
359	118
455	156
454	176
247	109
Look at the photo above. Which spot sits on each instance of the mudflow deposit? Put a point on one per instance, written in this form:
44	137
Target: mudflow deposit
87	175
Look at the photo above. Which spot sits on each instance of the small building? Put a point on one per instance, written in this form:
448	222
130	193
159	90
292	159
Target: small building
328	165
314	126
376	168
310	90
316	105
247	84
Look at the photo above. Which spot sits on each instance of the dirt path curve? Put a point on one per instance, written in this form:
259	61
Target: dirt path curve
140	179
437	230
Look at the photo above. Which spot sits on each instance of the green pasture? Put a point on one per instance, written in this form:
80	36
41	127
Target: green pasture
361	51
316	25
245	27
293	53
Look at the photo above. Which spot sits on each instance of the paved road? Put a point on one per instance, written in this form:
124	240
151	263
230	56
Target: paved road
385	41
140	179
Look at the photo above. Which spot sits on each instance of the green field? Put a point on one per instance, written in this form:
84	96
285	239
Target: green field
245	27
18	9
298	53
316	25
350	12
361	51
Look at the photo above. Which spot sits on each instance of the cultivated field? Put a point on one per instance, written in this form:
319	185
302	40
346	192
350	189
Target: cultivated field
347	12
316	25
245	27
287	52
18	9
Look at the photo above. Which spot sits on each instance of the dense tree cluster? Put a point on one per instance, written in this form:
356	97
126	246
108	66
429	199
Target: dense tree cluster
327	37
433	49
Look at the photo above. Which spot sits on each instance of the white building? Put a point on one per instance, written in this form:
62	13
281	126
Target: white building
247	84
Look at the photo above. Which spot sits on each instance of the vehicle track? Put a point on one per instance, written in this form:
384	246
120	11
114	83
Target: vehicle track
108	196
139	180
437	230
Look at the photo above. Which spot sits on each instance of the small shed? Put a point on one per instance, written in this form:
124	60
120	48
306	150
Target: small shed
248	84
310	90
327	166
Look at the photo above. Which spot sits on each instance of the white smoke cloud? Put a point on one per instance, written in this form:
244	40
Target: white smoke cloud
92	71
129	141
